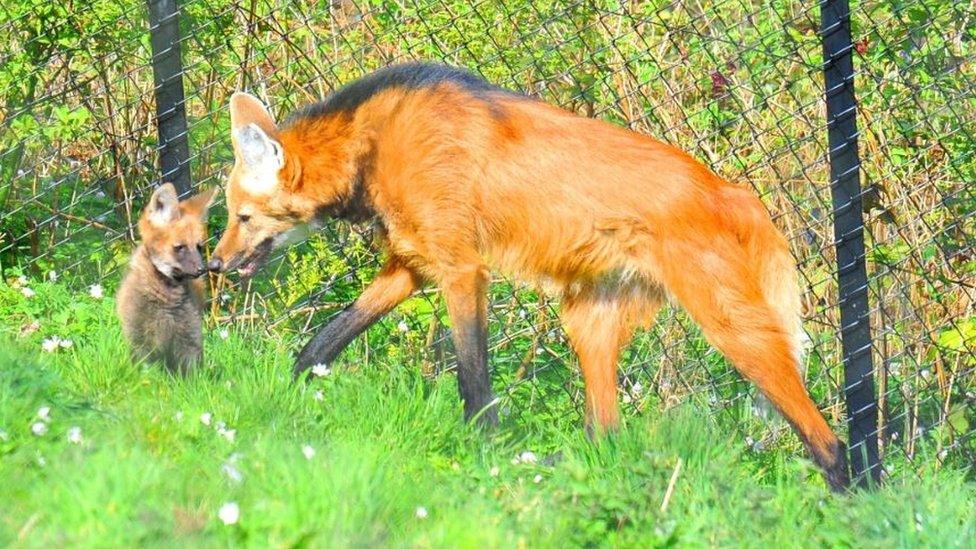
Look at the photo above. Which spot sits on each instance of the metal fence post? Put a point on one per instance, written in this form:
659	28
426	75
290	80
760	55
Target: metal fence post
846	192
174	150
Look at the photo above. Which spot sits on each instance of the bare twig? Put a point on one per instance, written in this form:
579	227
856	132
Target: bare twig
671	483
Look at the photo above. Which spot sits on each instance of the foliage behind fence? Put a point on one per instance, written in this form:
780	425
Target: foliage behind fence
738	85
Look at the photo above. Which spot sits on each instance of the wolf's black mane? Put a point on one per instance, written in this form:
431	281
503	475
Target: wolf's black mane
409	76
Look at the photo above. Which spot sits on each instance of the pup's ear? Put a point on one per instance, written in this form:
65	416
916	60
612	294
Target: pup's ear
164	207
199	204
246	109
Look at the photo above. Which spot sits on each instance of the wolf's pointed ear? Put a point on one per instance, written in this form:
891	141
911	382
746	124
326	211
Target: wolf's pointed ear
246	109
199	204
256	149
164	207
262	156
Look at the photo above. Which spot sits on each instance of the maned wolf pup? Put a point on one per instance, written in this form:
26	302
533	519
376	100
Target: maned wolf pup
160	302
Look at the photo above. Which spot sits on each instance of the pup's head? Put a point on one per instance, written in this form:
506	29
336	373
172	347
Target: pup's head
173	232
262	208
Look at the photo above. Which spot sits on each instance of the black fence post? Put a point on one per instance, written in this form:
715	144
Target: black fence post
174	150
846	192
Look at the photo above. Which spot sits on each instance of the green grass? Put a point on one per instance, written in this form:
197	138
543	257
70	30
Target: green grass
387	441
736	84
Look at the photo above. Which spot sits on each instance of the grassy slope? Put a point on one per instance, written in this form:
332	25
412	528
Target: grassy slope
386	441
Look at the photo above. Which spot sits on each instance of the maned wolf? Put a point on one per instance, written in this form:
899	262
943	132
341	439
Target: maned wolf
462	177
160	302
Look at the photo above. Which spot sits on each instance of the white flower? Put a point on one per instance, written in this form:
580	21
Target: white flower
319	396
637	389
232	472
74	435
402	326
224	333
229	513
222	430
51	344
206	418
95	290
626	399
52	276
321	370
308	451
66	343
229	434
537	479
527	457
41	462
421	512
39	428
28	293
44	413
178	416
22	280
494	471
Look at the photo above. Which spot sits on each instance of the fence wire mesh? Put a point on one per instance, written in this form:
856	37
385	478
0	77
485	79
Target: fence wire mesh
739	85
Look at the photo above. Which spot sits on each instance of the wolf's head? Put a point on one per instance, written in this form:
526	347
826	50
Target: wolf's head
173	232
280	180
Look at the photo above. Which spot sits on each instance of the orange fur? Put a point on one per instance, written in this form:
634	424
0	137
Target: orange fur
609	220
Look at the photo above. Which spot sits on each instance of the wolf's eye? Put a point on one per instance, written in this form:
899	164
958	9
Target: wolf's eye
243	218
179	248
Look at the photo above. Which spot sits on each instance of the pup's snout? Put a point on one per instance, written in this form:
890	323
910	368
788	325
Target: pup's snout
215	264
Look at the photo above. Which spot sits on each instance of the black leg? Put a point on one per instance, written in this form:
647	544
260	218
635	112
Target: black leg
326	345
466	299
392	285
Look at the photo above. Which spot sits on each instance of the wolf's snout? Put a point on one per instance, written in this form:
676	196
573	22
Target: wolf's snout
215	264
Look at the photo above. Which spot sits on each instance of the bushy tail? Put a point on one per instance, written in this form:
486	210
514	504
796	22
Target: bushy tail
780	283
752	313
771	262
768	250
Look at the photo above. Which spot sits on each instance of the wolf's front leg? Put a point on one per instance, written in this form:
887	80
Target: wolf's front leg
392	286
466	295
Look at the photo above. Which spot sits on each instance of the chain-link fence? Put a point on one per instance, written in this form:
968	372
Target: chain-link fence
739	85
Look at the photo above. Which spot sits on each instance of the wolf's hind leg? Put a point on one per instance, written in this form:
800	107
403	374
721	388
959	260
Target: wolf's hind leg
599	324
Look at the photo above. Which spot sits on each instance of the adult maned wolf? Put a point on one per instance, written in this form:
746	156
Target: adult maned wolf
463	177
